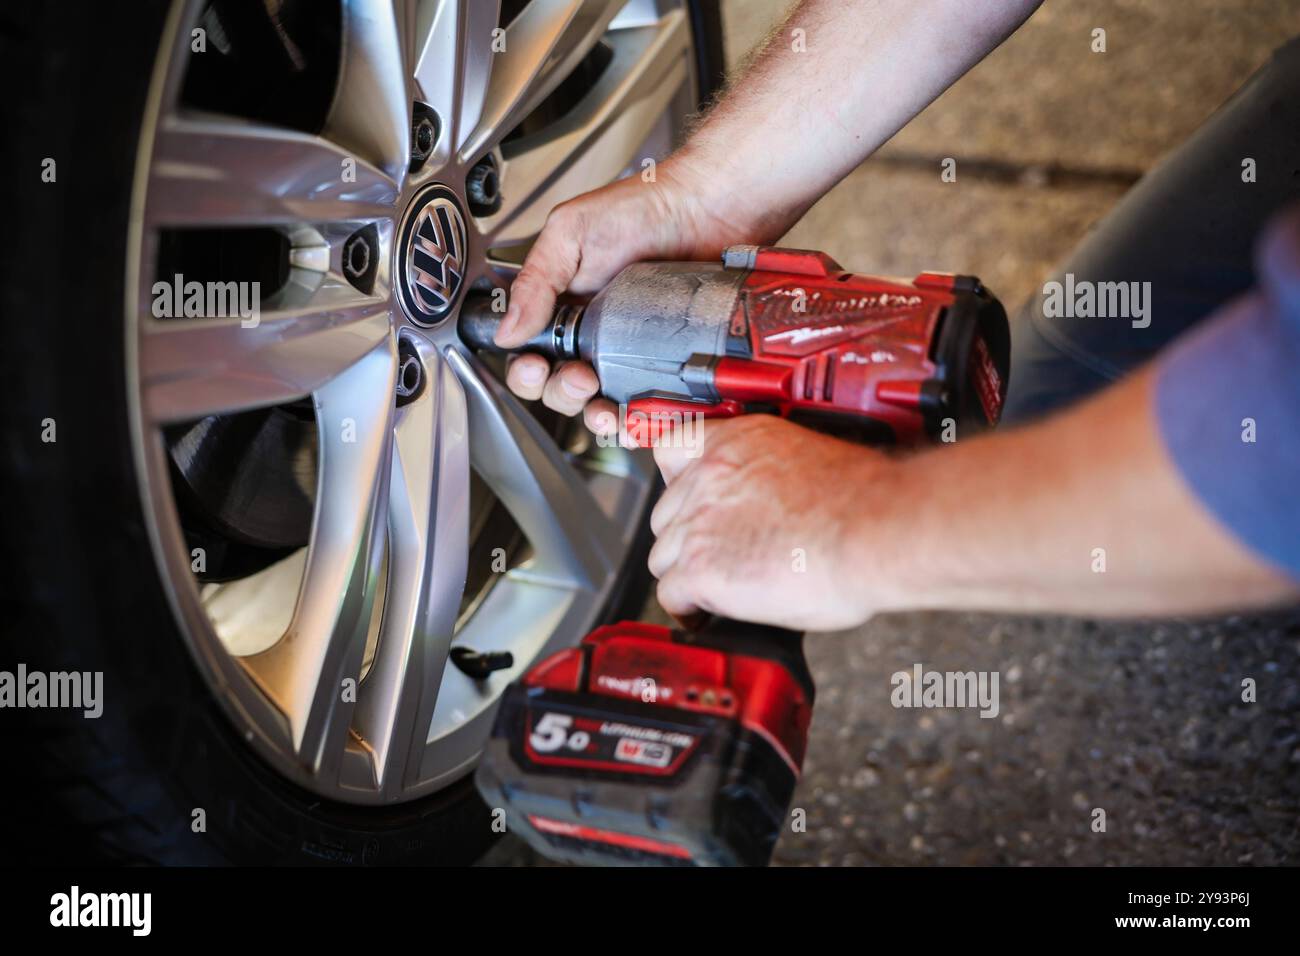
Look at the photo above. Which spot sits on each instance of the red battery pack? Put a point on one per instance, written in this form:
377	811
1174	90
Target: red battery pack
644	745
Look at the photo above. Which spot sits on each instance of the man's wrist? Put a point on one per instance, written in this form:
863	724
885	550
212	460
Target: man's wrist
877	538
709	197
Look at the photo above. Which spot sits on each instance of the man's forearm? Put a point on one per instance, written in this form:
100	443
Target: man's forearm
811	106
1083	513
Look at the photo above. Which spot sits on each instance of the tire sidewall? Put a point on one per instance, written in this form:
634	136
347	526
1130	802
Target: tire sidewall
85	592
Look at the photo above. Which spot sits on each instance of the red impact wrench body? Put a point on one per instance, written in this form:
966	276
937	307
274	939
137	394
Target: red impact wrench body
785	331
644	745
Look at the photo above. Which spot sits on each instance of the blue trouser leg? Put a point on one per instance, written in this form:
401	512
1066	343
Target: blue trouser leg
1188	227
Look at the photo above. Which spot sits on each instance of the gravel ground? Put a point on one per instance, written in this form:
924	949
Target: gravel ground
1142	720
1044	98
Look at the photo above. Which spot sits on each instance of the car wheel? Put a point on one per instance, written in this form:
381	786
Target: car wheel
257	482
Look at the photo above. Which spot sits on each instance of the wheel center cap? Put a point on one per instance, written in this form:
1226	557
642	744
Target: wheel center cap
432	251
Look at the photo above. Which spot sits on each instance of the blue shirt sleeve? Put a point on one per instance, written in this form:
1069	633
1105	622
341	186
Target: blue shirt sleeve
1228	405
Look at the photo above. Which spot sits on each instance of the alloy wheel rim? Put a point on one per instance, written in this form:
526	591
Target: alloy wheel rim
378	600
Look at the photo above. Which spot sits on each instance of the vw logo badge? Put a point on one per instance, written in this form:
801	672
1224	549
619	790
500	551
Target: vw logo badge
434	244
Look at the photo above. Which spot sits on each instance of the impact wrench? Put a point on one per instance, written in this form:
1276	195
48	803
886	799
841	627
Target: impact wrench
675	747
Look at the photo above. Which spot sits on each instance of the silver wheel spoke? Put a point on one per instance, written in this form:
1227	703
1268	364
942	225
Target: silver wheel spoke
542	46
453	62
304	673
371	114
366	580
221	171
428	528
601	139
503	271
572	538
190	368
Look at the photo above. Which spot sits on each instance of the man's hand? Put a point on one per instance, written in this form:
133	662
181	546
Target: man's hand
1080	513
585	243
765	153
761	521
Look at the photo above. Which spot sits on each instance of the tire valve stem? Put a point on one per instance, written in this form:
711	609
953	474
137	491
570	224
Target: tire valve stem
479	664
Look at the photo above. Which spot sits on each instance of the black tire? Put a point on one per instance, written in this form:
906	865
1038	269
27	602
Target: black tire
710	58
82	592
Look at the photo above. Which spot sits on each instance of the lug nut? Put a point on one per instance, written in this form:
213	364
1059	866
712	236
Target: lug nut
424	135
360	256
356	257
483	187
410	373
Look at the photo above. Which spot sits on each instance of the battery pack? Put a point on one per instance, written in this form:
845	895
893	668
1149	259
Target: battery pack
645	745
